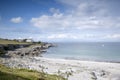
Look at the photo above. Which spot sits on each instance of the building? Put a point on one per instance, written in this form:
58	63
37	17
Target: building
25	40
29	40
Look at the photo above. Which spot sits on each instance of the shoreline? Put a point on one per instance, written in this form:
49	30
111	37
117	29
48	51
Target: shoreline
78	68
79	60
67	58
107	61
82	70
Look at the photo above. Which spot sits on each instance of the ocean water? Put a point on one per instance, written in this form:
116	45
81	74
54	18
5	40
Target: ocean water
94	51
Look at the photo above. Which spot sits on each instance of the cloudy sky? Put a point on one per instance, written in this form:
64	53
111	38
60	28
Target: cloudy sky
60	20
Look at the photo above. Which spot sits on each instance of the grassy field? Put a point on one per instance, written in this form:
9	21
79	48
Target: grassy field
3	41
24	74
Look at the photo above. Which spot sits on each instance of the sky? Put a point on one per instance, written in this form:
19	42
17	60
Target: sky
61	20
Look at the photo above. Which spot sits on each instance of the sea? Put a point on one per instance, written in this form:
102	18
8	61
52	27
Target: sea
89	51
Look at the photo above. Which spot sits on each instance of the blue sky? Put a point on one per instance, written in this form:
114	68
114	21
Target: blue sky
60	20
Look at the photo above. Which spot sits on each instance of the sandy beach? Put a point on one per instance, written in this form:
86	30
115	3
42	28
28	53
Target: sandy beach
81	70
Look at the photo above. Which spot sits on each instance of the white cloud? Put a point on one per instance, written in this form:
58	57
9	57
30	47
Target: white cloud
62	36
16	20
46	21
53	36
113	36
81	15
59	21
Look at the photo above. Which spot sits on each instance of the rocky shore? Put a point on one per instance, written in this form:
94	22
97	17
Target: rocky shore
79	70
21	50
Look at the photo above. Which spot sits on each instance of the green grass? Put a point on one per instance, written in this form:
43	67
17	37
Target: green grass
33	45
24	74
3	41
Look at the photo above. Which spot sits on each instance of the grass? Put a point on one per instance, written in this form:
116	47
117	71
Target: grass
25	74
3	41
34	45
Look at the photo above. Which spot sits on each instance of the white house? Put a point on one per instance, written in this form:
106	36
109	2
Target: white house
29	40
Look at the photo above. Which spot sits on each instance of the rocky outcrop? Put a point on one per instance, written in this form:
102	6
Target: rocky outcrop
12	46
24	50
5	48
2	50
47	45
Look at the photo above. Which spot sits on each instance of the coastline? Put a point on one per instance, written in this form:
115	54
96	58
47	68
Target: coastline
107	61
82	70
86	51
82	59
79	69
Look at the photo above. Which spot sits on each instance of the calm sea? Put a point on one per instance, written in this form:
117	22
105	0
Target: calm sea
95	51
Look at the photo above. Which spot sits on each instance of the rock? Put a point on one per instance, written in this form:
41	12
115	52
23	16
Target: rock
102	73
94	77
2	51
27	53
10	47
20	65
43	50
20	50
1	47
47	45
22	55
